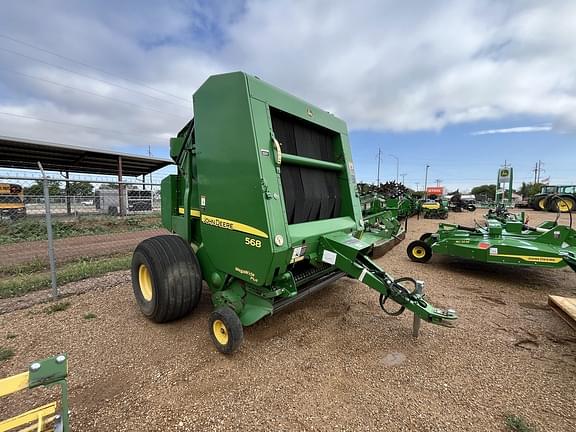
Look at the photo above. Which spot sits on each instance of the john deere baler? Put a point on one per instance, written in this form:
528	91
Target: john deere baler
265	210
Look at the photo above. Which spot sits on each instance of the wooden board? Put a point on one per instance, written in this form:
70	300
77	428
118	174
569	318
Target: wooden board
565	307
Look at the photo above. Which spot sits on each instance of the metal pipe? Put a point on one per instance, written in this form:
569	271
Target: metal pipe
49	233
120	188
309	162
65	180
426	183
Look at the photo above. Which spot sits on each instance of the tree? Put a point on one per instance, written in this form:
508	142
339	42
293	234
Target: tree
530	189
37	189
484	192
83	189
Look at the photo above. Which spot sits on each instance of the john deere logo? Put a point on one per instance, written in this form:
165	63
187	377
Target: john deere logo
504	173
309	112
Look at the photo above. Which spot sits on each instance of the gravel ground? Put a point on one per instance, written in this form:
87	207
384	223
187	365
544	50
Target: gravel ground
332	362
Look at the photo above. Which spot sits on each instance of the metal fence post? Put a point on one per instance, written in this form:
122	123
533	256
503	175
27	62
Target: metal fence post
49	232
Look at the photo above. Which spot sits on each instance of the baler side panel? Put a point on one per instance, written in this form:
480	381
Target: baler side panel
235	232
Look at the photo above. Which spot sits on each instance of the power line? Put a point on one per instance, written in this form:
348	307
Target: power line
86	65
91	77
76	125
91	93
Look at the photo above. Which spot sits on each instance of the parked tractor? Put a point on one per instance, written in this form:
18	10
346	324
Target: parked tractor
265	211
555	199
434	209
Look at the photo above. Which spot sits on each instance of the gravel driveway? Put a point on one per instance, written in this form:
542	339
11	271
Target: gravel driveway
332	362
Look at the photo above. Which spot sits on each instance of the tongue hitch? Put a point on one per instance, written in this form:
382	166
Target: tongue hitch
349	254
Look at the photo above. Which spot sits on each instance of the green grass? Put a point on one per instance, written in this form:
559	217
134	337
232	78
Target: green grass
33	266
6	354
89	316
22	282
518	424
35	229
57	307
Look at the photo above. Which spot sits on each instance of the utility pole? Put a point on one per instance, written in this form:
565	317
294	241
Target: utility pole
426	182
397	165
539	170
438	182
403	177
535	172
417	187
379	160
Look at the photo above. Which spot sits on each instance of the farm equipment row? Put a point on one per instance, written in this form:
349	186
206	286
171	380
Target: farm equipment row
504	239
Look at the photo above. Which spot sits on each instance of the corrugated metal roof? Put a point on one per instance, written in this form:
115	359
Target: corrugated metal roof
25	154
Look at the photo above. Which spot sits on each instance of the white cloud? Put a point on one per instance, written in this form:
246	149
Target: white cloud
519	129
386	65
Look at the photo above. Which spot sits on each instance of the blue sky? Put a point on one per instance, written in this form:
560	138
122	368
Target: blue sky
461	85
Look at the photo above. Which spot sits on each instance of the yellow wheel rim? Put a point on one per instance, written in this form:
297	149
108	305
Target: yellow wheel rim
220	332
419	252
565	206
542	204
145	282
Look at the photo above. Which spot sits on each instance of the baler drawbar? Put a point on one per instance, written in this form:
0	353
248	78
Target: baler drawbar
266	212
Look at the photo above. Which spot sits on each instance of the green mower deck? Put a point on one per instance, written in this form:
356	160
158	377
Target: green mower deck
548	245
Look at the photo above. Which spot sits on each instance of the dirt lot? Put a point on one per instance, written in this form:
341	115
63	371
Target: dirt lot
74	247
331	362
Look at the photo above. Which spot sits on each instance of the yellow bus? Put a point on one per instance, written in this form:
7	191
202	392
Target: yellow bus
12	201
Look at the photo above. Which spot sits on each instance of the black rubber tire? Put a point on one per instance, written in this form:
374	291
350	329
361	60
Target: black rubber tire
419	245
553	205
542	204
425	236
175	276
233	329
471	207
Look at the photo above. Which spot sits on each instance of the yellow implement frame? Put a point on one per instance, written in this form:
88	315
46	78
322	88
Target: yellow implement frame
47	372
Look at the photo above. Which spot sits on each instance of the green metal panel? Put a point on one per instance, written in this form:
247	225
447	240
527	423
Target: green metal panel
229	180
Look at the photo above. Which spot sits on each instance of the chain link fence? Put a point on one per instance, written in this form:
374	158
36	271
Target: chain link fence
55	230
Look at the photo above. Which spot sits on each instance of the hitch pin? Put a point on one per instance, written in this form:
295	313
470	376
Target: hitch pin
417	320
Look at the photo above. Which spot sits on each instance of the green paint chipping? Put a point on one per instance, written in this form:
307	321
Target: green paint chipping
89	316
6	354
518	424
11	336
57	307
84	268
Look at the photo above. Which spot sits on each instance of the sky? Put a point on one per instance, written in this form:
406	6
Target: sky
463	86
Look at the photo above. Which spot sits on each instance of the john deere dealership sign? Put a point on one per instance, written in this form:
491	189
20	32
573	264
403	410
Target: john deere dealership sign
504	175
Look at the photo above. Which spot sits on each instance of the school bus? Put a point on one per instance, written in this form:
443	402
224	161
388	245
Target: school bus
12	201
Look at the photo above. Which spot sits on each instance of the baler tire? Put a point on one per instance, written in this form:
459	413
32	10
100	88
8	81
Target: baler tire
226	330
419	251
166	278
